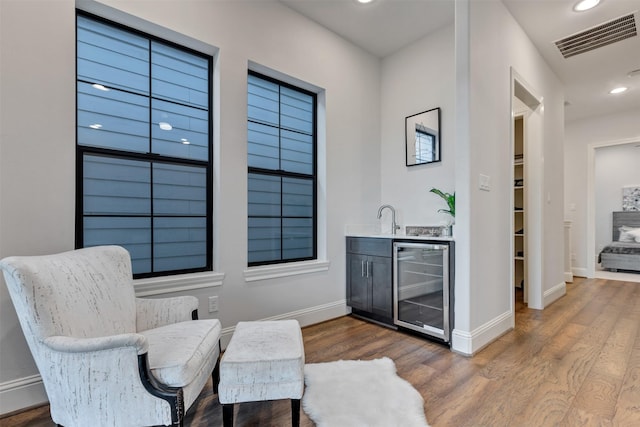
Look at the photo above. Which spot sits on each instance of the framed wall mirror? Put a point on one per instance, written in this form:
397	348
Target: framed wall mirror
422	137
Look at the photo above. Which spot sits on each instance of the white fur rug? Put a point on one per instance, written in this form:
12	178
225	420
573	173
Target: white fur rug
359	393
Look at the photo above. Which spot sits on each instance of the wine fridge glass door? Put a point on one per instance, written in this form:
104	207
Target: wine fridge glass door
421	288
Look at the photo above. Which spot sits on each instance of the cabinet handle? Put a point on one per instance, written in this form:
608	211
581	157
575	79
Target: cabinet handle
362	268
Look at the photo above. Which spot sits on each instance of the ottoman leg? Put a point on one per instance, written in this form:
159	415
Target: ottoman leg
227	415
215	378
215	375
295	412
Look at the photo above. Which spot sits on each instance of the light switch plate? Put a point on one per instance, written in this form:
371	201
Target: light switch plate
213	304
485	182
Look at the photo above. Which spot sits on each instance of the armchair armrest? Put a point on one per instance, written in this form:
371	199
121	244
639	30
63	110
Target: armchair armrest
105	373
83	345
153	313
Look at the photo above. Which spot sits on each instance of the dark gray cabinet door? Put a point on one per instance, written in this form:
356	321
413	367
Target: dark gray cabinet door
370	277
380	274
358	286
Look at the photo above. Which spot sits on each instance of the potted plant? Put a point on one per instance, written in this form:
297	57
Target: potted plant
450	199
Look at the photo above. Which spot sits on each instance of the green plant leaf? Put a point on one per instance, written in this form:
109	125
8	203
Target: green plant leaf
450	199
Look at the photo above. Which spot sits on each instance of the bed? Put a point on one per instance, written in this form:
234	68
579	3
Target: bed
623	253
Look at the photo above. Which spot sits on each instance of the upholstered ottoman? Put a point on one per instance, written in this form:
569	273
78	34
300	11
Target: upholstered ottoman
263	361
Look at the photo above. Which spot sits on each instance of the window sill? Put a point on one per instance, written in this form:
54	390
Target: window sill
255	274
179	283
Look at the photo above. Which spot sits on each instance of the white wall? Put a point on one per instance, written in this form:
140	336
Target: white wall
495	44
37	163
37	122
580	135
415	79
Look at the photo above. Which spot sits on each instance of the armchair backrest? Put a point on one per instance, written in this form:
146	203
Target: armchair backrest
84	293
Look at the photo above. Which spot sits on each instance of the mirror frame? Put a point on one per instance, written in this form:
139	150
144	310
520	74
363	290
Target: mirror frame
410	123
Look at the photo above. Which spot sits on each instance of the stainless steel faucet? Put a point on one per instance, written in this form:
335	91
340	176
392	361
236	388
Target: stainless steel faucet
394	226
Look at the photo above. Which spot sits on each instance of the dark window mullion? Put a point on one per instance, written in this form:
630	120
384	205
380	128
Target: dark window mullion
157	158
280	167
279	173
281	221
151	163
271	125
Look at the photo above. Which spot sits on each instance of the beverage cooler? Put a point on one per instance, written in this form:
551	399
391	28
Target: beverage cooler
422	288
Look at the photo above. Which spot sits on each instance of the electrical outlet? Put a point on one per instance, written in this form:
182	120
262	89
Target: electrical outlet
213	304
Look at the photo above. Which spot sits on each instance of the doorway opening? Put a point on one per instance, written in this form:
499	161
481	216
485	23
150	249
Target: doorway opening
526	198
599	195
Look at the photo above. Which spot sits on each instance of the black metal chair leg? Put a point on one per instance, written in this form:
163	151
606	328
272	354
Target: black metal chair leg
295	412
215	375
227	415
215	378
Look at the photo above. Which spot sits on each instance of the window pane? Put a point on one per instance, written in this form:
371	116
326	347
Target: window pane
116	186
179	190
188	136
296	111
112	119
179	76
263	101
264	195
179	243
297	197
264	239
297	152
297	238
112	57
133	233
264	150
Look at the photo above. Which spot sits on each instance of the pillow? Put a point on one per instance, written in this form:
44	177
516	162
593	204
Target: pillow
629	234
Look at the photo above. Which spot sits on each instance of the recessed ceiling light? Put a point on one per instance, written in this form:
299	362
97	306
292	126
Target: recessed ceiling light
165	126
95	126
618	90
364	1
583	5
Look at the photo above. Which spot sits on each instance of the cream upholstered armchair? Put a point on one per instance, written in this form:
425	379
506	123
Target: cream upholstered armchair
106	357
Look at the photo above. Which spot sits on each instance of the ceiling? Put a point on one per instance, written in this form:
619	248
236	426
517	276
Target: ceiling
385	26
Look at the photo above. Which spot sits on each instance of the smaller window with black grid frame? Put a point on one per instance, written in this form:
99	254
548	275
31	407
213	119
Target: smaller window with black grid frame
282	172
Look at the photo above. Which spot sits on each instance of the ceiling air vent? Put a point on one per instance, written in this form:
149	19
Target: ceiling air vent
601	35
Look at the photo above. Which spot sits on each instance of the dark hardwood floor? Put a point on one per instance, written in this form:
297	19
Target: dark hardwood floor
577	363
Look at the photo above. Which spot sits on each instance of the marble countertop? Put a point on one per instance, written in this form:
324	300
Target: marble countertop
374	231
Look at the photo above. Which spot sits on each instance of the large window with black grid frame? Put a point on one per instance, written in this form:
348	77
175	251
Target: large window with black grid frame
144	135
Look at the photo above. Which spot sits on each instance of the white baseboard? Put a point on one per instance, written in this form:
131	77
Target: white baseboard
22	393
580	272
307	316
469	343
550	295
568	276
